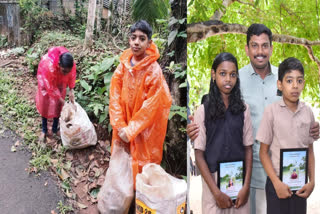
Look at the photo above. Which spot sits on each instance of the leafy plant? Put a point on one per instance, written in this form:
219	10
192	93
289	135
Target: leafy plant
178	110
36	18
95	85
150	10
64	209
3	41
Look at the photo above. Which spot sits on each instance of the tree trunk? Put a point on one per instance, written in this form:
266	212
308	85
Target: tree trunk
175	153
88	42
99	14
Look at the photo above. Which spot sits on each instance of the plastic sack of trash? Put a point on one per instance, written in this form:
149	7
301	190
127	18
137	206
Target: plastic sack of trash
116	194
158	192
76	129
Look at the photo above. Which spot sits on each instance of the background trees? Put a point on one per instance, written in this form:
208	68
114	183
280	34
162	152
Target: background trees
217	26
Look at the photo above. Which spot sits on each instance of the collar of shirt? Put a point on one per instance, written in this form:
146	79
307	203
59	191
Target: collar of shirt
300	105
252	71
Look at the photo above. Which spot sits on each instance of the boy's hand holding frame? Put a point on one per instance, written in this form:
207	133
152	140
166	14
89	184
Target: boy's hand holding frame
283	190
306	190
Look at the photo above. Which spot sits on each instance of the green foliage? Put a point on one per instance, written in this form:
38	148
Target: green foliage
36	19
3	41
174	33
93	94
297	19
150	10
178	110
64	209
19	115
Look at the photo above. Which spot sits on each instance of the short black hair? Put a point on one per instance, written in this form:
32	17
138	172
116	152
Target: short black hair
258	29
66	60
143	26
287	66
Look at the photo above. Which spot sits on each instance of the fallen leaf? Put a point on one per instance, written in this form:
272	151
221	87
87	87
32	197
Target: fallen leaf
13	149
69	194
64	175
17	143
81	206
91	157
98	173
69	155
54	161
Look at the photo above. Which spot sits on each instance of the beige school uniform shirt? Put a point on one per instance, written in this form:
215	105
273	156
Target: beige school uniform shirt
283	129
209	205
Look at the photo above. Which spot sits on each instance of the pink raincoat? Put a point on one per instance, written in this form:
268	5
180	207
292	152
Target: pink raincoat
52	83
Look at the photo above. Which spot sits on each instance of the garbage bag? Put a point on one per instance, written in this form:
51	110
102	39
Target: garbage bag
52	83
140	103
116	194
158	192
76	129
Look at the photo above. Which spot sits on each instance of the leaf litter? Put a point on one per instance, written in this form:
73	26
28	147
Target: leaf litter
82	172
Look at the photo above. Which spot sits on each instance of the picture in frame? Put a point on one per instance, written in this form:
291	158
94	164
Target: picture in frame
294	167
231	177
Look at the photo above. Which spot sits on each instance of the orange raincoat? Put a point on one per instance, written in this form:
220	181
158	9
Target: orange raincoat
140	102
52	83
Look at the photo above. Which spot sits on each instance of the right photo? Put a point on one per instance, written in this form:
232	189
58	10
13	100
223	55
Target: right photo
253	106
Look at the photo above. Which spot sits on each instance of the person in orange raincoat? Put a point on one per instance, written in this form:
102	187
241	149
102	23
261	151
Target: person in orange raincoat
140	100
56	72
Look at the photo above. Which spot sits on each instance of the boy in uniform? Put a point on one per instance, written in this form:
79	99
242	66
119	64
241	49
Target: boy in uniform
286	124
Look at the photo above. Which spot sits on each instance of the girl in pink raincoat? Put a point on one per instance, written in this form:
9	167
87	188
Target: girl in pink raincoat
56	72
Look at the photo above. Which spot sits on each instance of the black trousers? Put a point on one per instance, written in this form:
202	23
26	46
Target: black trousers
292	205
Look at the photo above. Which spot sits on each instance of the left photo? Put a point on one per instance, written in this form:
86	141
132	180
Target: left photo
93	106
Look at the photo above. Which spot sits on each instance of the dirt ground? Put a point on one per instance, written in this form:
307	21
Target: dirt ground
88	166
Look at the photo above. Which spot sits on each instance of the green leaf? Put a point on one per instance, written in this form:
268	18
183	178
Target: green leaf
106	64
107	78
172	21
109	128
183	115
102	117
172	36
94	192
183	85
182	34
85	85
181	21
100	91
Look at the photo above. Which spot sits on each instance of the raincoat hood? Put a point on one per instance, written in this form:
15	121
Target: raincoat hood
152	56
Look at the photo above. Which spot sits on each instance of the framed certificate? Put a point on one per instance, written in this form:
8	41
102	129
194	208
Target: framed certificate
231	177
294	167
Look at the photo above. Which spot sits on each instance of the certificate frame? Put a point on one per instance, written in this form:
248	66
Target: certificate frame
294	167
234	171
